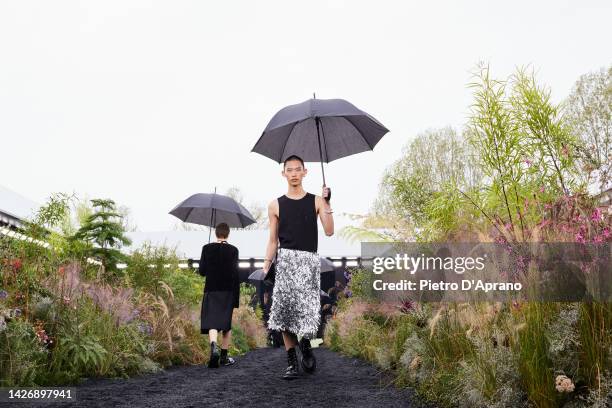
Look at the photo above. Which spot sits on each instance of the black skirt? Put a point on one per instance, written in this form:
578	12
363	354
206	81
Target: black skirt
217	308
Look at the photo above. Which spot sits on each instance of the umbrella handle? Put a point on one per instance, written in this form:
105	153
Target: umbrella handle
328	195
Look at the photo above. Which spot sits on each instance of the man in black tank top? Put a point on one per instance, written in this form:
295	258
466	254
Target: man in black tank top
293	246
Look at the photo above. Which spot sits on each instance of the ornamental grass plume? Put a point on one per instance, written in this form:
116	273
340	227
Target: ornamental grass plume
347	317
433	322
116	301
68	287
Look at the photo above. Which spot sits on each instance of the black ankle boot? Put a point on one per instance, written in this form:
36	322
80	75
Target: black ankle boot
309	362
292	371
225	359
214	355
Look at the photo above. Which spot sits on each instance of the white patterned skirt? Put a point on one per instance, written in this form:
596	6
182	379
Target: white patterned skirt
296	299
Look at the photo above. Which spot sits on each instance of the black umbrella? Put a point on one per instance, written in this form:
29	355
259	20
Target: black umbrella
319	130
212	209
258	275
326	265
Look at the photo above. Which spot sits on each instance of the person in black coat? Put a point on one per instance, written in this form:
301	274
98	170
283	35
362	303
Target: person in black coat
219	264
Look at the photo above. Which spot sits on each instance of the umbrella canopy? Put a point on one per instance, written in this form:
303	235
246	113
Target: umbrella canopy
213	209
258	275
319	130
326	265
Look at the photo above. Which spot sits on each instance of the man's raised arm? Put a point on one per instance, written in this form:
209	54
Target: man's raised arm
273	238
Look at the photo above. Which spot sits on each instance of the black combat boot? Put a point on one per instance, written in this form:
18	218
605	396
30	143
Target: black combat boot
292	371
225	359
214	355
309	362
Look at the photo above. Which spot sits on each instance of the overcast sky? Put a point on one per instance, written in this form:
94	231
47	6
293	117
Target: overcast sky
148	102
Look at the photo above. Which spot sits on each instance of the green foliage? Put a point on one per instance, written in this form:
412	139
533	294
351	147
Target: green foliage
361	283
22	356
520	148
149	265
72	327
404	328
595	336
529	157
240	343
523	143
545	134
105	232
84	354
186	285
534	360
429	163
443	214
247	290
332	337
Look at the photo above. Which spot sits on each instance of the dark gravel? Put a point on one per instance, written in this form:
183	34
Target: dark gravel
254	381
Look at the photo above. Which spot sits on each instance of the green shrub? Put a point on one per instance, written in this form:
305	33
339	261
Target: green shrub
240	343
361	283
22	356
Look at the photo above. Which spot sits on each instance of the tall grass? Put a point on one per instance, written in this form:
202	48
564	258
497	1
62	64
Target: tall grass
531	348
595	330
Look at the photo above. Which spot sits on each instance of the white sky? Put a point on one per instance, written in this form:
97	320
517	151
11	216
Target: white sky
149	102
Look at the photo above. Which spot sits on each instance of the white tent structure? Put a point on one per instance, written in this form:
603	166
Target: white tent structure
250	243
14	208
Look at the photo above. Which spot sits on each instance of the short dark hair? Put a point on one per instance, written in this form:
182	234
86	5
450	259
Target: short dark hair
222	230
293	157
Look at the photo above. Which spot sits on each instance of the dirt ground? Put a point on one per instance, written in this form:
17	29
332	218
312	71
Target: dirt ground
254	381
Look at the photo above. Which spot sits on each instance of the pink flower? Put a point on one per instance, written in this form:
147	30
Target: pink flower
541	189
606	232
580	238
407	306
527	162
596	216
42	335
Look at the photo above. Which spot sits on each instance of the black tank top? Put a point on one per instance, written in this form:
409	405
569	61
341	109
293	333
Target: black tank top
297	226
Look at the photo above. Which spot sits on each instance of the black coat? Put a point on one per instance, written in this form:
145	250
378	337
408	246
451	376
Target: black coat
219	264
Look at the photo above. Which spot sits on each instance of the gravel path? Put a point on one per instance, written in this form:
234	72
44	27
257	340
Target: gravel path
254	381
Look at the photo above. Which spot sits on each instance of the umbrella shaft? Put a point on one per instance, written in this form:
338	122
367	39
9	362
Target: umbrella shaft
211	221
317	122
